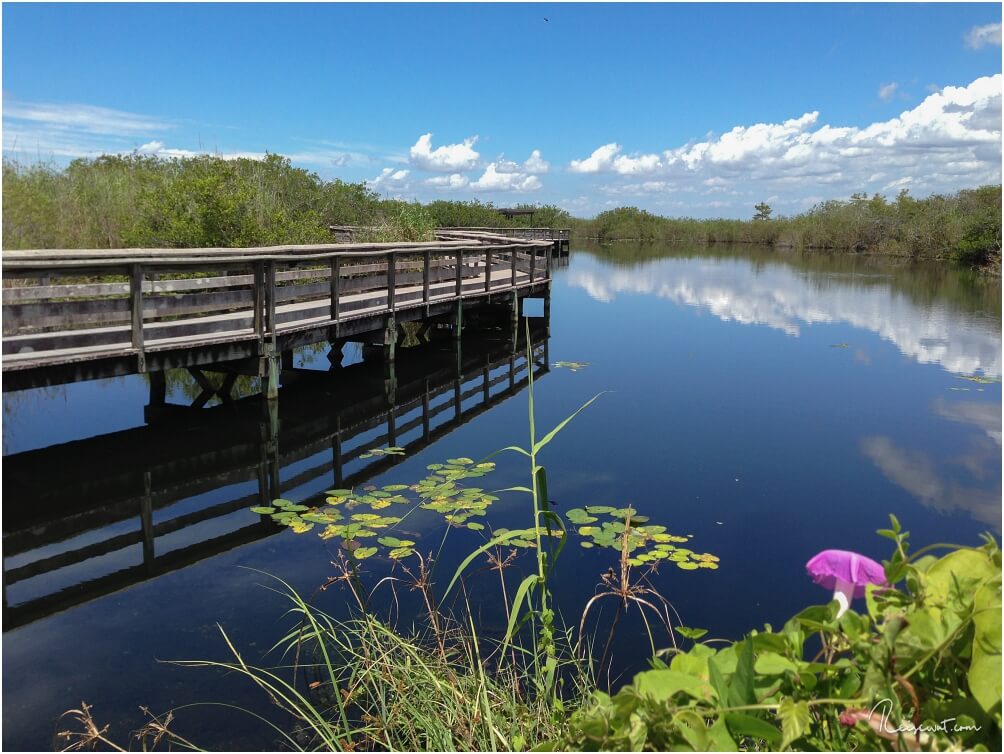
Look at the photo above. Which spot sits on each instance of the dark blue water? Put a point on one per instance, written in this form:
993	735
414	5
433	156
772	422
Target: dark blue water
770	405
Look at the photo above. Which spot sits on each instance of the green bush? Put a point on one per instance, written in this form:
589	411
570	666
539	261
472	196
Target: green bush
919	669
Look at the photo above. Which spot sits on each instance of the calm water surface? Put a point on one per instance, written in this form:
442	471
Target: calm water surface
770	405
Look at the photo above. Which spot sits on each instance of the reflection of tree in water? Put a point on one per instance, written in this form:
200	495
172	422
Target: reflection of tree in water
183	387
16	403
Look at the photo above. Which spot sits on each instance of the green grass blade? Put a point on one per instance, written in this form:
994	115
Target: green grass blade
517	603
561	425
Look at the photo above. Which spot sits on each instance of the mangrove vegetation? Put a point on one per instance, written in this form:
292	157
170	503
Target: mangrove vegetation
118	201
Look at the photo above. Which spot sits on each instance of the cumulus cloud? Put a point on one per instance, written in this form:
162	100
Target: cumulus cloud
495	180
981	36
887	91
952	139
450	182
608	158
448	158
536	164
390	180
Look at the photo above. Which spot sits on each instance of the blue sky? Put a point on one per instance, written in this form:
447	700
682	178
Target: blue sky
683	109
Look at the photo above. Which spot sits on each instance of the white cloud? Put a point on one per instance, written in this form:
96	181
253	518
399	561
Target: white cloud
599	161
493	180
390	180
536	164
86	118
156	148
951	140
608	158
887	91
980	36
445	159
451	182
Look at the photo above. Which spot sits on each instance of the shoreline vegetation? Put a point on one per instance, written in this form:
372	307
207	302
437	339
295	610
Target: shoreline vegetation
117	201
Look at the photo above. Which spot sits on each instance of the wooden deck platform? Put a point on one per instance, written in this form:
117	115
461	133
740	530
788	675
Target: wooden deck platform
72	315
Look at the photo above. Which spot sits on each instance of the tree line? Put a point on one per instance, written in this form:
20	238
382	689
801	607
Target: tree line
117	201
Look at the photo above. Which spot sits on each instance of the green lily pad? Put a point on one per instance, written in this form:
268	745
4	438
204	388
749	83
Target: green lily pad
263	510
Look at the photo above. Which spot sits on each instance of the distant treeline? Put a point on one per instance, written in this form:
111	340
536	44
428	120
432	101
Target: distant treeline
207	201
965	226
137	200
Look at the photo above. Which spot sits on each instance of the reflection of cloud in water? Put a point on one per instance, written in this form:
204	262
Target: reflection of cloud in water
986	416
915	472
784	299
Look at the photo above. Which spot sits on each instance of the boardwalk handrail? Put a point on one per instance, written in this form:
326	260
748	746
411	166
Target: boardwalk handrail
530	234
175	299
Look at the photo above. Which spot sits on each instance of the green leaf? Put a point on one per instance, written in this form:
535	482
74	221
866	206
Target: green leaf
263	510
769	663
741	686
718	682
662	685
561	425
691	633
741	724
364	552
795	720
517	603
985	670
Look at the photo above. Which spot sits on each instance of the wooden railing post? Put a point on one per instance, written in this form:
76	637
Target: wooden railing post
426	265
460	273
488	269
547	261
259	305
533	261
136	300
391	279
512	262
272	386
336	284
270	301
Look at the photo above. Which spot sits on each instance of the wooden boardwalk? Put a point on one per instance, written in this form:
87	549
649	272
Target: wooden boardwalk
130	497
71	315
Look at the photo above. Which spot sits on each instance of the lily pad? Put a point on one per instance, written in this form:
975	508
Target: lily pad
263	510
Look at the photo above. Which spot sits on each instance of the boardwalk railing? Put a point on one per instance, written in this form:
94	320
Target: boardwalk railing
350	232
131	505
526	234
153	305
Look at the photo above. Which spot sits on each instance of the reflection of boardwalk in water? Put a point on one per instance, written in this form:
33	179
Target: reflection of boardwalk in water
70	504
